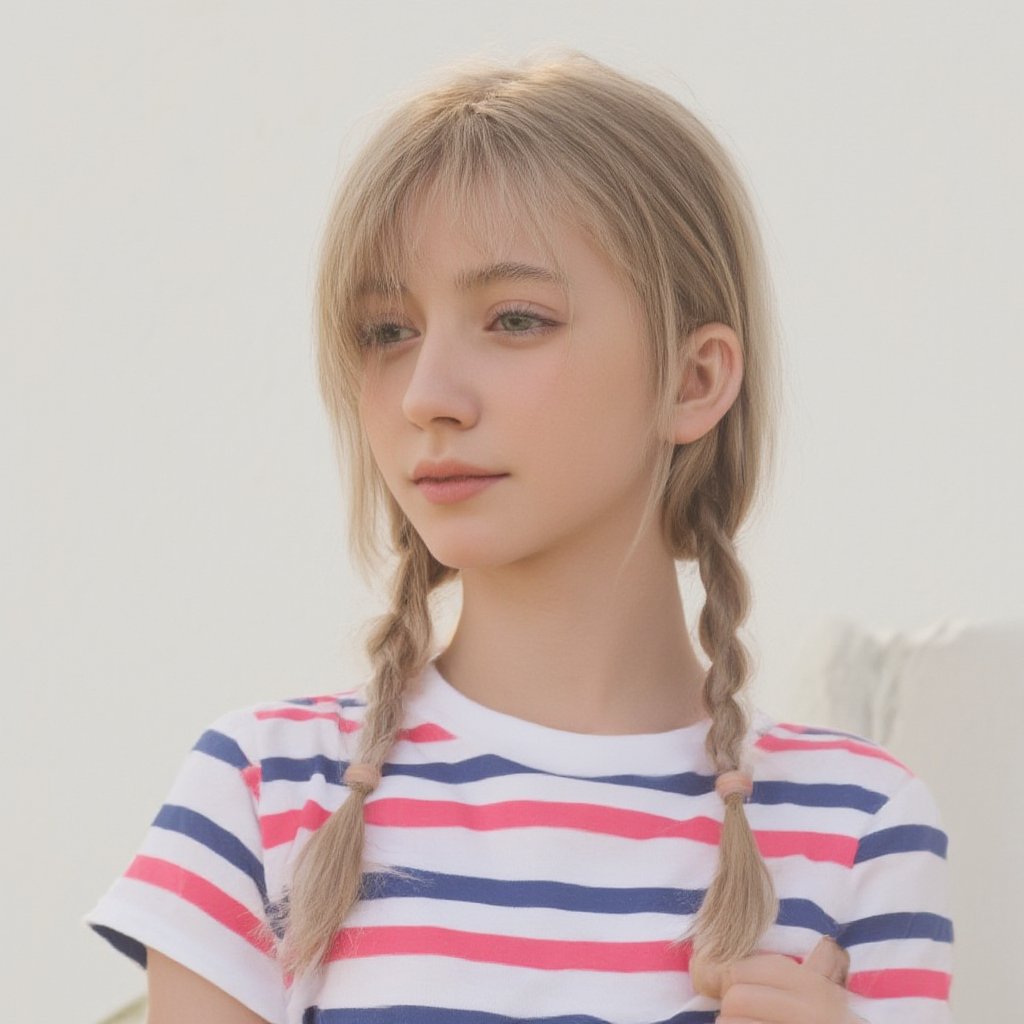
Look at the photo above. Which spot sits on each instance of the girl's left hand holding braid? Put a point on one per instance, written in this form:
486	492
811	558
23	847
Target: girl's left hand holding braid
772	989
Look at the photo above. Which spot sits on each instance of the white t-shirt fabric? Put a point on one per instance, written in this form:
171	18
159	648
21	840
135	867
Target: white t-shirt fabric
545	873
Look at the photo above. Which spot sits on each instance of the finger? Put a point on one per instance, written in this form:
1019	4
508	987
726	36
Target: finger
707	977
764	1003
713	979
763	969
828	959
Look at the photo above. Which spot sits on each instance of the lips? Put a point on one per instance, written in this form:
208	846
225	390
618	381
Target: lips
456	489
450	469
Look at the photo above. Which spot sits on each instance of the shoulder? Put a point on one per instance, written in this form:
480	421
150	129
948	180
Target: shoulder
268	774
874	859
311	726
844	772
820	752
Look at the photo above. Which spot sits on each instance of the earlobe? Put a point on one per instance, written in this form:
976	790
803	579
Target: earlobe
710	382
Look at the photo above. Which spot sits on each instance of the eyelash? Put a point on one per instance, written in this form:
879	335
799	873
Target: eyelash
368	328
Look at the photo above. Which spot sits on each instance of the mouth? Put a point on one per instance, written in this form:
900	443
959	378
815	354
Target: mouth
461	476
447	490
464	476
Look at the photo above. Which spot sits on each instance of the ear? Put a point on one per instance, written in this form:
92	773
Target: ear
710	381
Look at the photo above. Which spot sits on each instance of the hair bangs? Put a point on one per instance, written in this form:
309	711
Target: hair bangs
493	194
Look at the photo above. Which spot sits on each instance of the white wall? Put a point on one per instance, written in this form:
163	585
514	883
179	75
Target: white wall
173	542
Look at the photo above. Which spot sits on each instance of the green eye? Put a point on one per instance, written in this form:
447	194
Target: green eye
515	313
381	332
517	316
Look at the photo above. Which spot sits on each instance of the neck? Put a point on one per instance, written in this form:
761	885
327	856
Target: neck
557	640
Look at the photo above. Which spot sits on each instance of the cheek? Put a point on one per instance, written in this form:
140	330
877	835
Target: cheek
581	428
376	432
374	399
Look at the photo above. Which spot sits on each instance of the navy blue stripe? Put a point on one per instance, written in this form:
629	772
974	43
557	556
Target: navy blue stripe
801	913
344	702
446	1015
683	783
818	794
829	732
302	769
531	893
896	926
475	769
122	943
222	747
220	841
416	882
902	839
489	766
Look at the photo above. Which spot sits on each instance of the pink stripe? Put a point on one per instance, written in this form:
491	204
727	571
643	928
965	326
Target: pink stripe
770	742
896	983
201	894
407	813
252	776
276	829
402	812
307	715
294	714
426	732
545	954
818	846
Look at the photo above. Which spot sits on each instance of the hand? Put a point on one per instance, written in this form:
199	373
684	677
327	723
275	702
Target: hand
772	989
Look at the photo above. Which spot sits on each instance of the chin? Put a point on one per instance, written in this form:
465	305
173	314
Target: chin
462	548
464	556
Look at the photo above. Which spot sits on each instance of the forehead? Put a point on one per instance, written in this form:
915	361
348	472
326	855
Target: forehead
476	278
474	240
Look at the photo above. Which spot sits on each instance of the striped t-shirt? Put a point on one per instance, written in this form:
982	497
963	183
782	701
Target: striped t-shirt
547	872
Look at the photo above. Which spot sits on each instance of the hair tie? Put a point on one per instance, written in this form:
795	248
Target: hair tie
734	782
361	777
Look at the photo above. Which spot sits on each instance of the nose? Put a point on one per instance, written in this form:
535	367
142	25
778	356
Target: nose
440	386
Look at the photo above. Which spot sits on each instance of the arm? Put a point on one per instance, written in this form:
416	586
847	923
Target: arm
898	931
196	892
898	935
179	996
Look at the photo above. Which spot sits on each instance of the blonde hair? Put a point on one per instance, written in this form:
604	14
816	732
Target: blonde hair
558	138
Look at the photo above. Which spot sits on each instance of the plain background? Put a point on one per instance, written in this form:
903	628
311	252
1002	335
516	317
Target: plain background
173	525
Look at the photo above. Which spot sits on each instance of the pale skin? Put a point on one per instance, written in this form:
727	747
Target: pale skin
178	996
542	636
772	989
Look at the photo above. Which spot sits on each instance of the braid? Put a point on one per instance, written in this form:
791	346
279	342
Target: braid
740	903
328	873
726	607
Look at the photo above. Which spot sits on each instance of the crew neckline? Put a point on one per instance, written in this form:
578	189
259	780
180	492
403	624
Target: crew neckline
432	697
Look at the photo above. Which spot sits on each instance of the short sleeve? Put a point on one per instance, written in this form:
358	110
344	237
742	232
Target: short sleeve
196	889
899	934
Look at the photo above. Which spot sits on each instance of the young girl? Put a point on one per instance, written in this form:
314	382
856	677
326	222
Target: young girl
546	342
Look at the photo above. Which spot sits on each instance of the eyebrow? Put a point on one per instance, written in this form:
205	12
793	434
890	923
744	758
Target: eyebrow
469	280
